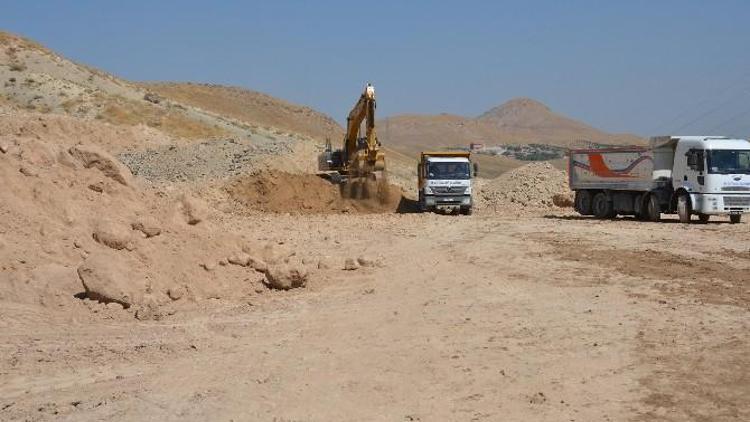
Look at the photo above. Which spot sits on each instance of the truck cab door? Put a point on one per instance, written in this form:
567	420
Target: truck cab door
690	173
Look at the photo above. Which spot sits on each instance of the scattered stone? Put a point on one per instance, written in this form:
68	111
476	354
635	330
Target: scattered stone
93	156
148	226
107	280
4	146
176	293
114	236
193	209
223	262
114	306
258	264
97	187
323	264
28	171
285	277
208	266
366	262
351	264
241	259
152	98
538	398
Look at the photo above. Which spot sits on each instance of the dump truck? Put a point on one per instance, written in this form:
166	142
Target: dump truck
444	181
685	175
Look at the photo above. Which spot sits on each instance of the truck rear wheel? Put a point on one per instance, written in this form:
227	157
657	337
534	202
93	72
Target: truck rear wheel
602	207
735	218
683	208
653	209
703	218
583	202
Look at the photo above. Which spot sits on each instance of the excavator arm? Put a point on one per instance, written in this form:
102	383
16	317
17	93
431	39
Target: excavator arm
360	156
364	110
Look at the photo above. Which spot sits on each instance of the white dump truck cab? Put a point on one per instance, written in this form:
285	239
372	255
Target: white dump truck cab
712	174
444	181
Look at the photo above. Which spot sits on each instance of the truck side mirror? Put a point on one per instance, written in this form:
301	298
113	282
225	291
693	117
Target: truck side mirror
476	169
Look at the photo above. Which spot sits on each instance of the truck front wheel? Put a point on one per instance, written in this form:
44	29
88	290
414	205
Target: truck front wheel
683	208
466	210
735	218
602	207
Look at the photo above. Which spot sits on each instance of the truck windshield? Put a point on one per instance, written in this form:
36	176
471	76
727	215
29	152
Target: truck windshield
728	161
447	170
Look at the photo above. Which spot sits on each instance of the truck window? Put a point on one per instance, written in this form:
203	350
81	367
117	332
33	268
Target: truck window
727	161
695	159
449	171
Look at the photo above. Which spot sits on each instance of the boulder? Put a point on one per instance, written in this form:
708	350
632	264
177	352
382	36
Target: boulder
92	156
109	280
114	236
285	277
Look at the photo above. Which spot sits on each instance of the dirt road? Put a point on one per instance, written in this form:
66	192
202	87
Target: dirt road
466	318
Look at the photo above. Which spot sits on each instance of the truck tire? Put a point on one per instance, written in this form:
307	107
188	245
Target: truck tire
703	218
653	209
583	202
466	210
683	208
735	218
602	207
421	203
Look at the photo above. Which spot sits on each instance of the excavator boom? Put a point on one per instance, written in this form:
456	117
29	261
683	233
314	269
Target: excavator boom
360	156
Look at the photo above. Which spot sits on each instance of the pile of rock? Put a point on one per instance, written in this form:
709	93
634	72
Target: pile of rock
533	188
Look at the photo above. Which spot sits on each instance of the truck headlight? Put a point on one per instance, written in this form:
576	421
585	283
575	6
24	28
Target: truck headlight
428	190
468	190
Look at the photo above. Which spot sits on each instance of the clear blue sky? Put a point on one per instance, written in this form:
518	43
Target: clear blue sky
642	66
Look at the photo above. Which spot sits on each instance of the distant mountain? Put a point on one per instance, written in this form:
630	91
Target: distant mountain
518	121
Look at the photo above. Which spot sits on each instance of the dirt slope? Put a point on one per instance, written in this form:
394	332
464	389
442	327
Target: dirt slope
251	107
518	121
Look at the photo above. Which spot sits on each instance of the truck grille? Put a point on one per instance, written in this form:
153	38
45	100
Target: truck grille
449	190
737	201
736	188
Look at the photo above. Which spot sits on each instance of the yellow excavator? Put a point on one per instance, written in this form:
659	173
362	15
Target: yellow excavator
361	156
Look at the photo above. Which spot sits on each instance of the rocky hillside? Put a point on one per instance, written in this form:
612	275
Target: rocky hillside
518	121
35	78
251	107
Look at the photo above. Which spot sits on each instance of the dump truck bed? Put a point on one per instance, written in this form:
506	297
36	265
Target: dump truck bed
627	168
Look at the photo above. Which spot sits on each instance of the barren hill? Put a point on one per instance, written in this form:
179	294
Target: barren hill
518	121
251	107
35	78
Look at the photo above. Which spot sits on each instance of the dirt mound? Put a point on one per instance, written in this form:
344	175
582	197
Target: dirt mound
282	192
77	225
533	188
